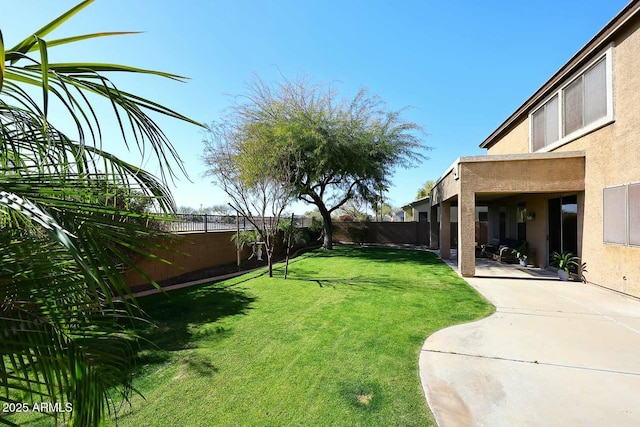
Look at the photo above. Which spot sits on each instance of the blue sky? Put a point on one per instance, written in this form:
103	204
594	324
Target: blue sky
462	66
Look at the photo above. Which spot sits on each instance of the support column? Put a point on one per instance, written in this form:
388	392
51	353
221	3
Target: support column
467	233
433	228
445	230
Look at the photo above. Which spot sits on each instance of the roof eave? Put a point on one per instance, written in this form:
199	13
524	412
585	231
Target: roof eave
598	42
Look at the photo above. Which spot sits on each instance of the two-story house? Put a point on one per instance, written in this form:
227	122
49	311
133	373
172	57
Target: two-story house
563	171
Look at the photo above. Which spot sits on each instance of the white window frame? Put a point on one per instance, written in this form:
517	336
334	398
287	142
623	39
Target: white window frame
603	121
628	203
627	216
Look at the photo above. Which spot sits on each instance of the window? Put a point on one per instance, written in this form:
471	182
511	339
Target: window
615	230
595	93
545	124
580	106
585	99
621	223
521	220
573	106
634	214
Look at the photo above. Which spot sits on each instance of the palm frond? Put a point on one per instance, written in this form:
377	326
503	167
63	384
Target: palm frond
29	42
68	228
2	59
73	39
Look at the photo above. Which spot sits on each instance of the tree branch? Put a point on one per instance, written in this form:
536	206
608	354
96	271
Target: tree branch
347	196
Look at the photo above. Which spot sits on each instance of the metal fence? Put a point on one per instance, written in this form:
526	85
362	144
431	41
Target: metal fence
185	223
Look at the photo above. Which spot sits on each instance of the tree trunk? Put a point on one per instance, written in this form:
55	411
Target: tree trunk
268	248
326	219
328	230
289	244
270	261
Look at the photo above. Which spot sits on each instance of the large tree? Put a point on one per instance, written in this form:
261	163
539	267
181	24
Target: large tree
65	216
339	148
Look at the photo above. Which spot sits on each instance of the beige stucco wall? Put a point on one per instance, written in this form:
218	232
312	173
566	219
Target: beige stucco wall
515	142
529	175
188	252
446	188
408	214
612	158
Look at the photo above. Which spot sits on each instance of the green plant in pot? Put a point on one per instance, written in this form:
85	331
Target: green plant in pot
566	263
523	253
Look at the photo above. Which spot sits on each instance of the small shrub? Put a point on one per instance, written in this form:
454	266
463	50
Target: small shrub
245	237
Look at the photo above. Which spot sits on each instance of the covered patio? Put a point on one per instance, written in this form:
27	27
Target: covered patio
489	268
510	185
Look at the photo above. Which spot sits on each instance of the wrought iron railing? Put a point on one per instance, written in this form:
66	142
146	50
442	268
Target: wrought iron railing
186	223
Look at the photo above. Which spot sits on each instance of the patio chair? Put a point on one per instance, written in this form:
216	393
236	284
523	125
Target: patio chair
504	252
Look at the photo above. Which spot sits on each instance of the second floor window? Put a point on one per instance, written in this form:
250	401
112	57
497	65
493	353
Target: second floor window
545	125
585	99
578	107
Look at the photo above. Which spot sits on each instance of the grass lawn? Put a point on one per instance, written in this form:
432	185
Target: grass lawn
336	344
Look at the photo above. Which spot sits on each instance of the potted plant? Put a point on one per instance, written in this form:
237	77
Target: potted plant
566	263
522	253
582	268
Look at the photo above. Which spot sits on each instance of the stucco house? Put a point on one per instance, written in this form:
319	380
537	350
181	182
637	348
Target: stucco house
417	211
563	171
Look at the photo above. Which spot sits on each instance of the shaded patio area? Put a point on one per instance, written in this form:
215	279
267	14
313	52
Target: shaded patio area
488	268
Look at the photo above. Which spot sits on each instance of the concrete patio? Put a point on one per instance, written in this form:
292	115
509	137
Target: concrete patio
553	354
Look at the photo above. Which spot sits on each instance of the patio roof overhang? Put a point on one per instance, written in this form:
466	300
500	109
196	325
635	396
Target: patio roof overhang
492	177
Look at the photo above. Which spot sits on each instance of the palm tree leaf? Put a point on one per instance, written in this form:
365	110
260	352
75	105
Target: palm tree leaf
53	229
143	128
74	68
67	40
67	231
2	59
44	67
28	43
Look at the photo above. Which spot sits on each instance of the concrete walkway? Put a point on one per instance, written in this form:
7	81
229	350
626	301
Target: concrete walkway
554	354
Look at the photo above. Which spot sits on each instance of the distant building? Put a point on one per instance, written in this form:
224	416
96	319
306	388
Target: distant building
417	211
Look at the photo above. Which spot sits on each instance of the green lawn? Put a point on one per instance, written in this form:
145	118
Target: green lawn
336	344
